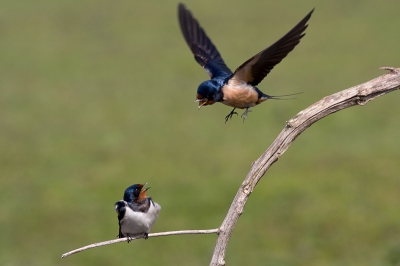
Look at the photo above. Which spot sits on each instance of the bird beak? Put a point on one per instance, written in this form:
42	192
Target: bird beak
145	189
202	102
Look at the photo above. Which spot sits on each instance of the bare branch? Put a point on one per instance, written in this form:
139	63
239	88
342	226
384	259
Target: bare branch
109	242
357	95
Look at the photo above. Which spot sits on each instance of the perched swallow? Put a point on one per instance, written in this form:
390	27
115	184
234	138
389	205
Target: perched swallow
238	89
136	212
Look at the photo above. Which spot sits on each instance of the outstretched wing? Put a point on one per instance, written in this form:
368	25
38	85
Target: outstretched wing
254	70
205	52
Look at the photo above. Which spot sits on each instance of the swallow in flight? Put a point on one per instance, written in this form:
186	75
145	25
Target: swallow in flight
238	89
136	212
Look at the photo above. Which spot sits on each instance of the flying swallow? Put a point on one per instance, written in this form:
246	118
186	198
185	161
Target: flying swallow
238	89
136	212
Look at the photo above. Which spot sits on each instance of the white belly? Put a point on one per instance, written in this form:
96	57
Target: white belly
135	223
239	95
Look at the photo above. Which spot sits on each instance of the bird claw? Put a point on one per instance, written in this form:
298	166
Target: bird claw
145	236
229	116
244	115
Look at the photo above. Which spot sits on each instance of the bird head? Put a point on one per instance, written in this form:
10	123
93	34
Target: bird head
207	93
136	192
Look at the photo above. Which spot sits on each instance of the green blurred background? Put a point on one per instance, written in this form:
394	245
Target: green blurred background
98	95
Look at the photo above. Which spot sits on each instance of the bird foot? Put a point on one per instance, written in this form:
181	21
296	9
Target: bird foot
145	236
244	115
229	116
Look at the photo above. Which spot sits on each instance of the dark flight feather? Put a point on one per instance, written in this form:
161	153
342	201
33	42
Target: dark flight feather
205	52
254	70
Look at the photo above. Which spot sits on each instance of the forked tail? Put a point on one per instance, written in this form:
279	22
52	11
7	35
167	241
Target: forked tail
278	97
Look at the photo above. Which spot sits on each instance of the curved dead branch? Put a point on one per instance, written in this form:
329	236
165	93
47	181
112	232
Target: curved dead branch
357	95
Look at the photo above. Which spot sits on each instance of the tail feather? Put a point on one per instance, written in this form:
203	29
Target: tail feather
278	97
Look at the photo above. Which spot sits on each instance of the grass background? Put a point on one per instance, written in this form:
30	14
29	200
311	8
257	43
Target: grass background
98	95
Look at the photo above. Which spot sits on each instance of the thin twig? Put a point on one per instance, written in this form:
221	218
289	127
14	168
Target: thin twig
109	242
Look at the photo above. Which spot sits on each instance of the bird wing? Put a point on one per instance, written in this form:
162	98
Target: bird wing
120	209
254	70
205	52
